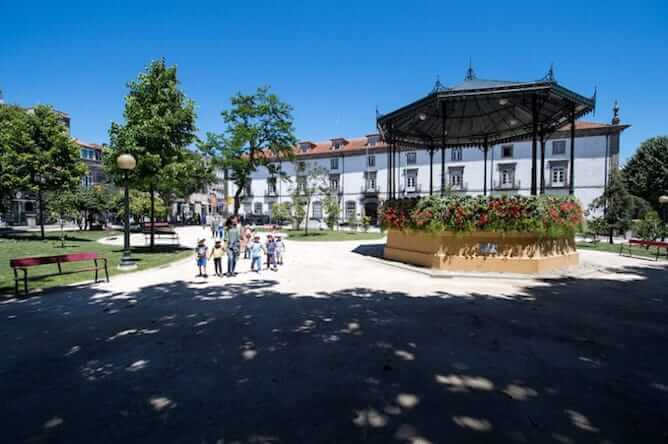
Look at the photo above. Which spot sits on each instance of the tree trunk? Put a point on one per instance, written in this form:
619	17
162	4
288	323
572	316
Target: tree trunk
308	207
41	212
152	218
611	233
62	233
237	201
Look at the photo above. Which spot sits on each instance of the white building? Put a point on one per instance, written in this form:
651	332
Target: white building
358	170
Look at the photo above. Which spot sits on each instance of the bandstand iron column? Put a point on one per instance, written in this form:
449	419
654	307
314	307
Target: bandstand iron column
542	161
444	134
534	119
571	166
431	168
485	148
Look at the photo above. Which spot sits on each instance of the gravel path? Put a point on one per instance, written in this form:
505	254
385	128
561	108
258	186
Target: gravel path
336	347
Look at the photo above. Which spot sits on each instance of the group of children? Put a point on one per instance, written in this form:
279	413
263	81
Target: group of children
273	250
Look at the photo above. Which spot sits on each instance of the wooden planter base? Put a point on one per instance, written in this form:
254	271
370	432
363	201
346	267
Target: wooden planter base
525	253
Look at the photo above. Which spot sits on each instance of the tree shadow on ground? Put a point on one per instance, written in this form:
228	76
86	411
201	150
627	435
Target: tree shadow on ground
567	361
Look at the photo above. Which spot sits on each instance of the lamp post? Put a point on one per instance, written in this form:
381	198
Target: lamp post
127	163
663	200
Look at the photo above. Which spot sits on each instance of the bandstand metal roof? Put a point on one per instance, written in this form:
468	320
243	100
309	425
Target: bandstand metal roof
478	111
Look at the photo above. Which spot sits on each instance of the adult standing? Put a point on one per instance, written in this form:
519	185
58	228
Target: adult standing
233	240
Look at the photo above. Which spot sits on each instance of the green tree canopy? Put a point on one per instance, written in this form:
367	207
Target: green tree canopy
159	126
646	172
38	155
259	133
616	204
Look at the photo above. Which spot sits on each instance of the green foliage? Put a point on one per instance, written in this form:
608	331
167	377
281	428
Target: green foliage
353	222
312	182
259	133
92	202
62	206
650	227
616	204
280	212
646	172
554	216
595	227
140	205
366	223
332	209
159	125
38	155
298	207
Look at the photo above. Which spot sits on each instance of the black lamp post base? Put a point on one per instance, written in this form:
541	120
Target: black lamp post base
127	264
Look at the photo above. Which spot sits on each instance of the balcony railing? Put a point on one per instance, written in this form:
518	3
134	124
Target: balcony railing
557	185
270	194
417	189
370	189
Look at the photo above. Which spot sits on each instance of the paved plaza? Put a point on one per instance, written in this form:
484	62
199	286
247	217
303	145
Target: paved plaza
339	347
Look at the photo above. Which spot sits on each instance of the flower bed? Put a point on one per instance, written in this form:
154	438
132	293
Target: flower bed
550	216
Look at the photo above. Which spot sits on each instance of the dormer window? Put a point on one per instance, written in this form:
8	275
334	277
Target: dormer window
372	139
304	147
338	143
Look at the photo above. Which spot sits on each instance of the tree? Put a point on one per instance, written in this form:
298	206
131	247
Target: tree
140	205
297	207
91	202
280	212
616	203
62	206
311	182
38	154
646	172
259	133
15	139
332	208
159	125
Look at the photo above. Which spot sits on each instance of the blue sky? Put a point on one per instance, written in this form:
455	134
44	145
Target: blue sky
333	61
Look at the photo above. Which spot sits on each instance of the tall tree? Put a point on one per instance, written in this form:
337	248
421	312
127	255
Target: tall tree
259	133
312	182
646	172
43	156
616	204
159	125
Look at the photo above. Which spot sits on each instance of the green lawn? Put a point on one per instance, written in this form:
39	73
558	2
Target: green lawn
614	248
29	244
327	235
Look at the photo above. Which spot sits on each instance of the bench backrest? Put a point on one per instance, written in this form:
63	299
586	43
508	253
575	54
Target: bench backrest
43	260
651	243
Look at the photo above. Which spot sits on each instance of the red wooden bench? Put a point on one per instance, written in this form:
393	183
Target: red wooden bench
24	263
646	244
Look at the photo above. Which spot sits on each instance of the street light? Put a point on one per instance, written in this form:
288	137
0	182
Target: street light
127	163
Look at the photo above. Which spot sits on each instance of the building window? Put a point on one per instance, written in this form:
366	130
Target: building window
351	208
270	208
271	185
301	184
301	166
247	208
317	210
411	158
456	154
371	161
87	181
247	190
456	177
507	178
257	209
334	182
507	151
558	176
370	181
372	140
304	146
559	147
334	163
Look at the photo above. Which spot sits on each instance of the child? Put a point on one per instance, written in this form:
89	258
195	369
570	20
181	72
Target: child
200	252
280	250
256	250
271	253
217	253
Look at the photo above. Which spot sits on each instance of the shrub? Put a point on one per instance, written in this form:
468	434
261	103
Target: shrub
547	215
649	227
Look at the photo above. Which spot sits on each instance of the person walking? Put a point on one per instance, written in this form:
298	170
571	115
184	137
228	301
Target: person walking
233	240
217	253
280	250
270	249
200	253
214	226
255	249
247	239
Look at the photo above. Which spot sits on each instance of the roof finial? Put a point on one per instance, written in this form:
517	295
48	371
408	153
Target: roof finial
550	73
615	115
438	86
378	114
470	74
